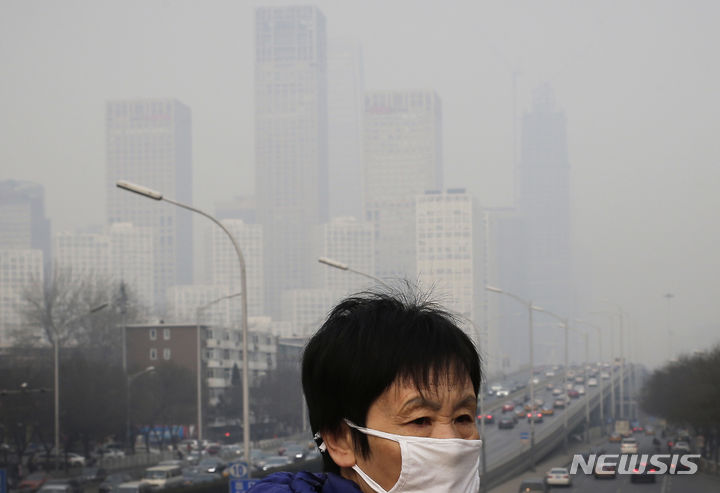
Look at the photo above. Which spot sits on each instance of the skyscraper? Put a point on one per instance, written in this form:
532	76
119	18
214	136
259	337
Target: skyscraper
290	143
451	255
149	142
23	224
349	241
20	269
345	111
403	158
536	256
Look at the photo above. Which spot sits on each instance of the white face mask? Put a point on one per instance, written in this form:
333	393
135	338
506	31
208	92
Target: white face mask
430	464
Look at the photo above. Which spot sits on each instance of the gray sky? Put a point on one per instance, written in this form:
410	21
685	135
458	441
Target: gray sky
638	81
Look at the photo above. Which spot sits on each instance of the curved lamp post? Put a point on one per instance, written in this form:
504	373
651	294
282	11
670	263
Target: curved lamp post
530	307
56	383
198	311
155	195
339	265
130	379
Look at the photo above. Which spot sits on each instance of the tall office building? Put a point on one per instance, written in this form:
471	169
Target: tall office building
403	158
345	111
149	142
120	253
225	268
290	144
539	233
20	269
451	255
349	241
23	224
84	255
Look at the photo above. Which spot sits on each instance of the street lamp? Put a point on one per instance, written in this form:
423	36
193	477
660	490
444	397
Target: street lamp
56	383
669	297
530	307
128	380
198	311
339	265
566	329
152	194
600	359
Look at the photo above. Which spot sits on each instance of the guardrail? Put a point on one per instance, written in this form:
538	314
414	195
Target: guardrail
547	439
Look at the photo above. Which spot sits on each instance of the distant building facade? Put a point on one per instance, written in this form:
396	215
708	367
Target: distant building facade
403	158
345	111
20	269
291	170
149	142
23	224
452	256
350	241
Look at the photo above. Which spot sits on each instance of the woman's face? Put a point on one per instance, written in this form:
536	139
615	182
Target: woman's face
444	410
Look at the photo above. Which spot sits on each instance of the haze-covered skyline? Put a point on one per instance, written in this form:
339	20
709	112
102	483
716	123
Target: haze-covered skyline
637	83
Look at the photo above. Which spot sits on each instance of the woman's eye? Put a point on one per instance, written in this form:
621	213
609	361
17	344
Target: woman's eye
465	418
421	421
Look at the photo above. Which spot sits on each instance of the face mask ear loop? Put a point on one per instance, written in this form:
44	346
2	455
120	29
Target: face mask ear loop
320	443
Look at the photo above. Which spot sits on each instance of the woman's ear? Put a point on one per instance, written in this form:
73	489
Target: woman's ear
340	446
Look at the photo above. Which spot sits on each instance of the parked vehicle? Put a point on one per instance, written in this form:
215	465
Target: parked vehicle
160	477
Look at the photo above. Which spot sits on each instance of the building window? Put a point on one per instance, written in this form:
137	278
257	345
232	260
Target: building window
153	334
166	334
166	354
153	353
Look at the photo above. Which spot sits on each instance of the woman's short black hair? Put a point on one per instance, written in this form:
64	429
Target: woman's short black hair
367	342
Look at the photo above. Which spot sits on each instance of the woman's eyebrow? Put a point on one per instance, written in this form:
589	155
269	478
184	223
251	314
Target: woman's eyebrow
418	402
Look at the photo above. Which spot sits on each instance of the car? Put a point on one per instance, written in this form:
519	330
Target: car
580	389
296	453
33	482
507	423
503	392
604	375
547	411
535	484
558	476
67	485
163	476
134	487
549	373
592	382
681	447
211	465
556	391
579	379
559	404
519	412
573	393
605	471
508	407
649	430
549	386
275	462
492	390
537	417
615	437
486	418
92	475
643	473
57	488
628	446
112	481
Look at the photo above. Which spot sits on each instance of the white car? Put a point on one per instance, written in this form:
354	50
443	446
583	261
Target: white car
502	393
75	460
592	382
558	476
628	446
681	447
580	389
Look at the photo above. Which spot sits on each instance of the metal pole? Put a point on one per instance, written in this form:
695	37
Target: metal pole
565	392
623	414
602	384
198	362
56	384
587	392
155	195
532	389
483	483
